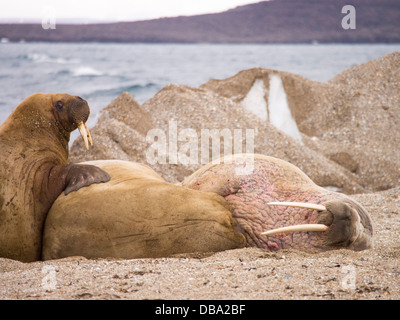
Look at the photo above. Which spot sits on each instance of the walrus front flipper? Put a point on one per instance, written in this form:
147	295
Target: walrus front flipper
81	175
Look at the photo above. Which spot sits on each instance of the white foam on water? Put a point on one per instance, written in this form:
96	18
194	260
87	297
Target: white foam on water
86	71
41	57
279	112
255	101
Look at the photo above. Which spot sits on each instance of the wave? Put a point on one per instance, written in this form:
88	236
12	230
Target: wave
131	89
83	71
41	58
86	71
134	87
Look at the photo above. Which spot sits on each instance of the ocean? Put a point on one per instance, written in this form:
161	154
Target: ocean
100	72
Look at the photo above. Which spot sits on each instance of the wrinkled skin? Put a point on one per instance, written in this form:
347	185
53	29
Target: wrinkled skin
34	168
273	180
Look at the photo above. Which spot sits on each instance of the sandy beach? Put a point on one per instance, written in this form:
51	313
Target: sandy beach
248	273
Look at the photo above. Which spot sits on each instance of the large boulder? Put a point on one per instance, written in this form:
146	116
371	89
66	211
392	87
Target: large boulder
342	133
351	119
175	110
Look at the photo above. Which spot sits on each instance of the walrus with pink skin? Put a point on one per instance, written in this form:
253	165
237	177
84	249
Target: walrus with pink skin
279	207
137	214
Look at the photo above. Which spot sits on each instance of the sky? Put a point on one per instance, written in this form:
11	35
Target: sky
86	11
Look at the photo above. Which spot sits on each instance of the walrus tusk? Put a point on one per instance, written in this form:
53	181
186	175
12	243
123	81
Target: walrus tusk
85	133
88	134
312	206
297	228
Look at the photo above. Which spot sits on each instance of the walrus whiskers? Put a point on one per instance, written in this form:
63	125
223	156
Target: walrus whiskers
312	206
297	228
85	133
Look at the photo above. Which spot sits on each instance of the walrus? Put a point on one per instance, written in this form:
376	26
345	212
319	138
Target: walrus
34	168
279	207
137	214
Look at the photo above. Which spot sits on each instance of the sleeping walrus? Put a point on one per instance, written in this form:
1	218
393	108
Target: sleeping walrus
278	206
137	214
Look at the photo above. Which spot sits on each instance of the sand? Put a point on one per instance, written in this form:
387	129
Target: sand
248	273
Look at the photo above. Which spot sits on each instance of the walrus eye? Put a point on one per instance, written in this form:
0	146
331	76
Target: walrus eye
59	105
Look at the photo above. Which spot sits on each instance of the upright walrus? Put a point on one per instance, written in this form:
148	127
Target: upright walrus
34	168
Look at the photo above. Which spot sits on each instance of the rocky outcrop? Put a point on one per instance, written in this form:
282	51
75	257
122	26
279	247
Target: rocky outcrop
181	108
351	119
341	133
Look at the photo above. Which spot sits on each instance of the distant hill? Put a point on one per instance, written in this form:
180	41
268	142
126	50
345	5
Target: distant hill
276	21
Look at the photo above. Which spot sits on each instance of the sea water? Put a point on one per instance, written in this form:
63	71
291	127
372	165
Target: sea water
99	72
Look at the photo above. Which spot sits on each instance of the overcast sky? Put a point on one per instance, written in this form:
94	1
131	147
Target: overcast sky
109	10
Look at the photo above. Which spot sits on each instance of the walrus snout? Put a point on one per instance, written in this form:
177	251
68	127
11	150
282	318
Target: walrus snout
79	110
349	225
342	223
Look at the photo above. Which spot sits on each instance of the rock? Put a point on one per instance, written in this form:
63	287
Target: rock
341	133
351	119
178	107
119	133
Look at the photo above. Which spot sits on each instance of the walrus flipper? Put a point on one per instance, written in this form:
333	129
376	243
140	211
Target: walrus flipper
81	175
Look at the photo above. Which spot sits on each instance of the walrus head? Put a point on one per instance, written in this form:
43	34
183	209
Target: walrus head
59	112
73	112
343	223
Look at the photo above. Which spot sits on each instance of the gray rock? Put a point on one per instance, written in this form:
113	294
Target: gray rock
347	127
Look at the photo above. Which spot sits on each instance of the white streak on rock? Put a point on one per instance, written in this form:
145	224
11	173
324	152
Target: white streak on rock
279	112
255	101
